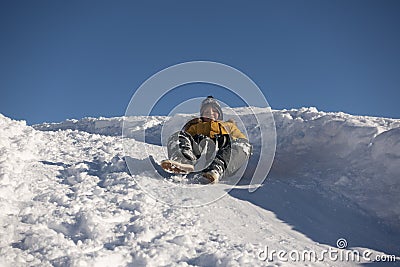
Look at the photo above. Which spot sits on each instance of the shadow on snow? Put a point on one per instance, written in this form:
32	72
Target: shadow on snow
322	219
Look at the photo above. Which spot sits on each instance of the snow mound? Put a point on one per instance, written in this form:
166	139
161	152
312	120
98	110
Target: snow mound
67	198
356	157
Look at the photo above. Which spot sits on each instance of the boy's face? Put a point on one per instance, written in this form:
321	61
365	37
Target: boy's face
210	113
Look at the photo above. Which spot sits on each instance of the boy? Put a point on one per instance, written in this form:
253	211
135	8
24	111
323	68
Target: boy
220	142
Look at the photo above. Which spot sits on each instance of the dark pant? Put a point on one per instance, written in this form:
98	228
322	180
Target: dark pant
204	152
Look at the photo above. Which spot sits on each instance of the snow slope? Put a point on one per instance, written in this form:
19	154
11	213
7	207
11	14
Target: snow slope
67	198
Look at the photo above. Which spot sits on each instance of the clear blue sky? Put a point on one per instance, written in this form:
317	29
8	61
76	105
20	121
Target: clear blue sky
71	59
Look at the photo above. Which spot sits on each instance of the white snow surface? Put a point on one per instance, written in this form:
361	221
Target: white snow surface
68	199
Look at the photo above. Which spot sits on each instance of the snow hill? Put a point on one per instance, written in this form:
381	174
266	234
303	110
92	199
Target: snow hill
68	199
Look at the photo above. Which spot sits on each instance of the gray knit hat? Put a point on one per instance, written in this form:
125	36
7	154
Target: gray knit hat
211	101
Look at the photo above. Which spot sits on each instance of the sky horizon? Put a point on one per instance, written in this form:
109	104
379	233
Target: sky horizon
75	59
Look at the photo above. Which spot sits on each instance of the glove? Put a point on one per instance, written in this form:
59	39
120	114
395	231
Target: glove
244	144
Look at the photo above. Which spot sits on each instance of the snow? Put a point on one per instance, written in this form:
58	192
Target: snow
67	197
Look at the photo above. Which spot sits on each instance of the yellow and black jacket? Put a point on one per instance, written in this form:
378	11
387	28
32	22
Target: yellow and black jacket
213	129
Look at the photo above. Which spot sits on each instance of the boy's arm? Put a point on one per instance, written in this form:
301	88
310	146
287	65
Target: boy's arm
235	132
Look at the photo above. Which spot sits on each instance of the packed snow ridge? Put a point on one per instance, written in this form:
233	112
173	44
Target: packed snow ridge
68	199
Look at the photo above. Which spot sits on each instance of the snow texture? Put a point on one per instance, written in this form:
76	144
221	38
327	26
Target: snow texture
68	199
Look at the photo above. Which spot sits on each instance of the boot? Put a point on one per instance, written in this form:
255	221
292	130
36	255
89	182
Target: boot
176	166
215	171
178	163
